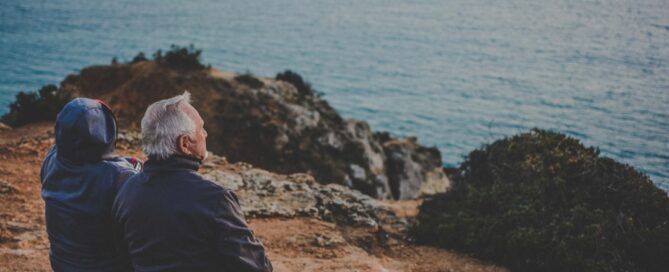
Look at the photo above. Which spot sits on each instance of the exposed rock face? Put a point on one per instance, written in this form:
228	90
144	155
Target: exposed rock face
270	124
412	168
266	194
263	194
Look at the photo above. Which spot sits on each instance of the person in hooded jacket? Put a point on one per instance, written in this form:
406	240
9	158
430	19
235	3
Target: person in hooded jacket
80	179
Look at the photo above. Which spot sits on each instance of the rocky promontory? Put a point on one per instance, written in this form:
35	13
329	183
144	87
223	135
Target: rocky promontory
316	188
326	193
278	124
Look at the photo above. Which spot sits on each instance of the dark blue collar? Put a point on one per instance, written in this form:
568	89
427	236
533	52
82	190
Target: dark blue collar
173	163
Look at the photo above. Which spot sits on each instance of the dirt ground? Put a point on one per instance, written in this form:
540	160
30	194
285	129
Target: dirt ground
293	244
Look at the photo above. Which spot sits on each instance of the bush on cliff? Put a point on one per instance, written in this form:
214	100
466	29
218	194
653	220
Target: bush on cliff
250	80
303	87
180	58
31	107
139	58
541	201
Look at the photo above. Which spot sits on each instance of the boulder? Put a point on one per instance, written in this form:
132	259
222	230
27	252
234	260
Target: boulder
411	168
265	194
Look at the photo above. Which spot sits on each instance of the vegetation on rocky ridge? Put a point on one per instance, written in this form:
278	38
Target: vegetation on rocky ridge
183	58
541	201
303	87
180	58
31	107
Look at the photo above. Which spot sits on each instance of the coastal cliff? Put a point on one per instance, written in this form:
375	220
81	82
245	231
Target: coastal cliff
328	193
316	188
271	124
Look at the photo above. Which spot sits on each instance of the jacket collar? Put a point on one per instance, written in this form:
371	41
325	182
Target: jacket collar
173	163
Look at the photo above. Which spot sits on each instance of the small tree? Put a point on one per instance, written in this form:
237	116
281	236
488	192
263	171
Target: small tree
139	58
180	58
30	107
250	80
303	87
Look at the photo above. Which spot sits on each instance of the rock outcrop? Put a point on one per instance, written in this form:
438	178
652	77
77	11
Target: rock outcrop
263	194
412	169
271	124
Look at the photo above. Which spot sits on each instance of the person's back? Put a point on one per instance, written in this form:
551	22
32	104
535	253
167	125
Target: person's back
175	220
80	179
170	217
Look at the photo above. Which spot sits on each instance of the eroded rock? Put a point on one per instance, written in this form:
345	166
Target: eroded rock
264	194
412	169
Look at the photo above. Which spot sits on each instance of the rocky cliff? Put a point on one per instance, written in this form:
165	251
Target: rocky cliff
271	124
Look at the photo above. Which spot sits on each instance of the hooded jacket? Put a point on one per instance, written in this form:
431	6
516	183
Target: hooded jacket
80	179
173	219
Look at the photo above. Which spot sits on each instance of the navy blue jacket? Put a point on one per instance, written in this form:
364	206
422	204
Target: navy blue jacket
172	219
79	181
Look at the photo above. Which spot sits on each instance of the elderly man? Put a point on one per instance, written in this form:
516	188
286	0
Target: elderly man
173	219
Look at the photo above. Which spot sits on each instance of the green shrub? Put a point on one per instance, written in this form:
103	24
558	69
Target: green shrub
541	201
31	107
250	80
139	58
180	58
303	87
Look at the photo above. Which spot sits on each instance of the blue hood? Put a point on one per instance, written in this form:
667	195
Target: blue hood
80	179
85	131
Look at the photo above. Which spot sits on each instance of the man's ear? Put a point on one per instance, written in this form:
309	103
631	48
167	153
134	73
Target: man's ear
182	144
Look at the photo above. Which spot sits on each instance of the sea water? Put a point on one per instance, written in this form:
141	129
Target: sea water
456	73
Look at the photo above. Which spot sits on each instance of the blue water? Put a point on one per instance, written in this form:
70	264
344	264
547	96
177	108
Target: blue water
456	73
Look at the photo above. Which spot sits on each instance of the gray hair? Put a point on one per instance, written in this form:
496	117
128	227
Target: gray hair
163	123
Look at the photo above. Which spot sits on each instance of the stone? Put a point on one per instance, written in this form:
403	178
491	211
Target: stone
4	127
6	188
265	194
410	166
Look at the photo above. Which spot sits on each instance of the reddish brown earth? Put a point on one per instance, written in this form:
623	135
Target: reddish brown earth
294	244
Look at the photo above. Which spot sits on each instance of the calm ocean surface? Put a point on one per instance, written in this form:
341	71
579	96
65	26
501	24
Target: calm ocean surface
456	73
